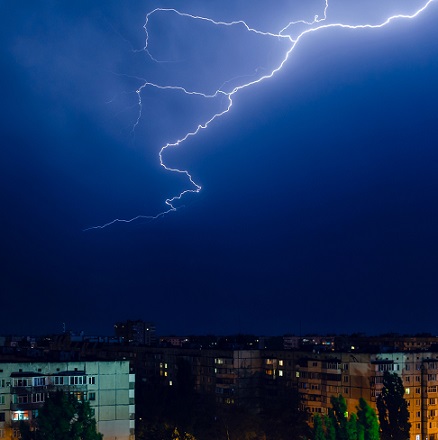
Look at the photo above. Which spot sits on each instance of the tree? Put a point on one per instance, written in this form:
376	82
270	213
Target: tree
318	430
338	415
352	427
330	429
64	417
393	409
339	425
368	426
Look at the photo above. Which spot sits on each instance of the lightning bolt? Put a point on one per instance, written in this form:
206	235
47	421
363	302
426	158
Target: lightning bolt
316	25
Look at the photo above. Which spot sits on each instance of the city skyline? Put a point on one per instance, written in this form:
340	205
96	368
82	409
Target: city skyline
318	206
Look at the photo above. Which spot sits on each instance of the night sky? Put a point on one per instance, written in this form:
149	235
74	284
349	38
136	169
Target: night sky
318	210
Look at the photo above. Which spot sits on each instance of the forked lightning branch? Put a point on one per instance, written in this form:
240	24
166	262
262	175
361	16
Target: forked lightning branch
287	34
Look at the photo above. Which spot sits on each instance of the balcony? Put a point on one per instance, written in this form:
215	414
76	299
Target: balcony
26	406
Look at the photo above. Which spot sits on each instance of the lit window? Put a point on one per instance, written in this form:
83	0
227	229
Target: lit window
407	390
280	372
20	415
280	363
170	383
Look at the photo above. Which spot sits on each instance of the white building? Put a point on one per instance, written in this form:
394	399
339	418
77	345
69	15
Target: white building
107	385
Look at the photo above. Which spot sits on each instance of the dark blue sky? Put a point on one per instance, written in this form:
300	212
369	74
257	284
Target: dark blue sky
319	202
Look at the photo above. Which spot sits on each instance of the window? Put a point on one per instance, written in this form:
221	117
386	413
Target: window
92	380
23	398
38	397
407	391
20	415
417	390
2	416
58	380
280	373
431	389
417	378
432	413
39	381
376	379
21	382
2	383
16	433
407	378
387	367
346	379
79	396
77	380
280	363
431	377
432	401
418	414
2	400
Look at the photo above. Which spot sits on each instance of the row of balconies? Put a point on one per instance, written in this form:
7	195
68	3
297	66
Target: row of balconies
47	388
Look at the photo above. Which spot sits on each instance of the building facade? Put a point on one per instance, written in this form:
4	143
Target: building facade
356	375
107	385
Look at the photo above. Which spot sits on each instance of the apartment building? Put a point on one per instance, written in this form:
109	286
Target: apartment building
356	375
251	377
107	385
136	332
